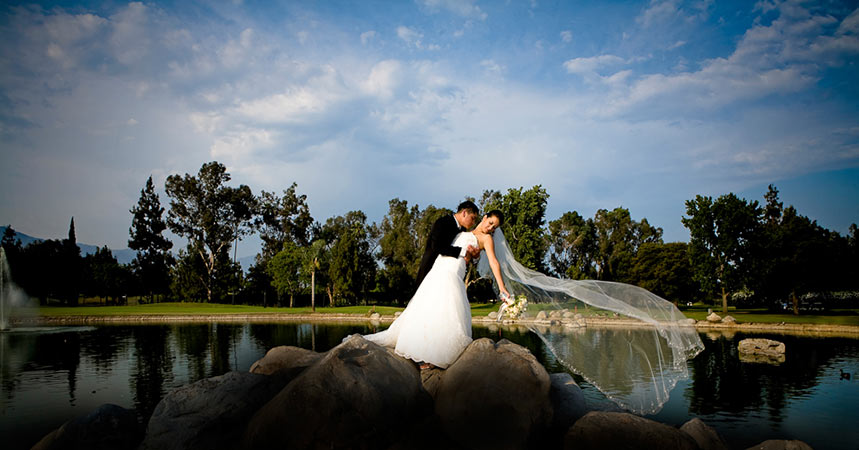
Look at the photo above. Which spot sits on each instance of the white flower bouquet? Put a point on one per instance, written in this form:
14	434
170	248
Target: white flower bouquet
513	307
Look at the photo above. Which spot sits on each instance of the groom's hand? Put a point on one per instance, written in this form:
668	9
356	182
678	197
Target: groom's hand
472	253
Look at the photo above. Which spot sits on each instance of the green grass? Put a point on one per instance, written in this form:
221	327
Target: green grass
834	317
201	309
762	315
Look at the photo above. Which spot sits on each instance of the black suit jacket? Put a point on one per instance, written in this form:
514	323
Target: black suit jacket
443	232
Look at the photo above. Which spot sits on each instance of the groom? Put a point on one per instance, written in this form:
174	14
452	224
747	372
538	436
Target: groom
443	232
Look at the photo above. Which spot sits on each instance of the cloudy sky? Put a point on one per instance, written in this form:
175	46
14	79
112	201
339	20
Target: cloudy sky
640	104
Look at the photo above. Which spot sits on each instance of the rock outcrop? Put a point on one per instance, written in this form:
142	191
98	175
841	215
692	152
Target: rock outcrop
761	351
108	427
491	385
210	413
602	430
360	395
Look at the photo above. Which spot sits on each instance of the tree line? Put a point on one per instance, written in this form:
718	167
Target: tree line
739	250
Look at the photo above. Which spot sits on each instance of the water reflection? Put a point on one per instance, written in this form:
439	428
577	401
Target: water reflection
48	378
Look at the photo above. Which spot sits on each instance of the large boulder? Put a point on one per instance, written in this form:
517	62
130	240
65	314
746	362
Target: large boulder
568	401
359	395
778	444
108	427
704	435
714	318
603	430
494	396
761	351
285	360
211	413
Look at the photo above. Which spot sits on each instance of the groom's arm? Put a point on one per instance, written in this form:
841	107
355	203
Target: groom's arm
442	234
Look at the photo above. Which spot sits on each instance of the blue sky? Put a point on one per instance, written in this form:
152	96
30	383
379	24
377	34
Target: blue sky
640	104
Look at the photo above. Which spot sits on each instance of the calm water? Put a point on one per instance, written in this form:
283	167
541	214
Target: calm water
47	378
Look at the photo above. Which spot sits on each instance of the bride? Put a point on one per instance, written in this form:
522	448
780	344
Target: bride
636	365
435	327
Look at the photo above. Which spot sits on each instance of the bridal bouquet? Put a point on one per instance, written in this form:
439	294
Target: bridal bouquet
517	306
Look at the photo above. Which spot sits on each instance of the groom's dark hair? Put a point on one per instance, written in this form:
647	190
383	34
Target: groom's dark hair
468	205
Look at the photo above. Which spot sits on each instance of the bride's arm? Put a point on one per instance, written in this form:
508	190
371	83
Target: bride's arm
489	246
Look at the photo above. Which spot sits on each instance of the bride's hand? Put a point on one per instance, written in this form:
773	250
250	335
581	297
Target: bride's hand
505	296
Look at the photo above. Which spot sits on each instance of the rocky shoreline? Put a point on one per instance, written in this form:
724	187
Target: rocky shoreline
819	330
360	395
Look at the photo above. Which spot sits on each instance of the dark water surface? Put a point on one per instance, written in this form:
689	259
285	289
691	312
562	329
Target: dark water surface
50	376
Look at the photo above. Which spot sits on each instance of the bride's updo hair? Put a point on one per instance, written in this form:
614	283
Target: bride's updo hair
498	214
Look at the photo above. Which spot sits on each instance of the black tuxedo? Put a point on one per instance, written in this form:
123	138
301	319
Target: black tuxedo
441	235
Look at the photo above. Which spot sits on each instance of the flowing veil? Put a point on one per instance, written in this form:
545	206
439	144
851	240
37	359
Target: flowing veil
635	362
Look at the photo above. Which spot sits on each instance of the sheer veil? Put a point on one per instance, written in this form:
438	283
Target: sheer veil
637	352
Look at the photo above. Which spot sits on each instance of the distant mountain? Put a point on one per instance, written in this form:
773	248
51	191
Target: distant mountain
123	256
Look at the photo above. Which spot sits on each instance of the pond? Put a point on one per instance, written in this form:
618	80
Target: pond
50	376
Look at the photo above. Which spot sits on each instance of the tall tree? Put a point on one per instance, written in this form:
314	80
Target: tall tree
795	255
618	240
153	258
572	246
352	268
665	270
71	267
104	276
399	249
524	220
314	256
211	216
284	269
722	235
282	219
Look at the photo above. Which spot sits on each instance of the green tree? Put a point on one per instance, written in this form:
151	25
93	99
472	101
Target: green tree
352	269
153	258
524	220
618	239
665	270
187	276
284	268
399	250
211	216
795	256
572	246
283	219
313	260
105	277
722	236
70	274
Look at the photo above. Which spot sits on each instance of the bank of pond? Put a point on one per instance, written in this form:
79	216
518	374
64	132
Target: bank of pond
50	375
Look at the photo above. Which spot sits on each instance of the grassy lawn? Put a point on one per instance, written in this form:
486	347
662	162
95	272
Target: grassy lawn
762	315
201	309
834	317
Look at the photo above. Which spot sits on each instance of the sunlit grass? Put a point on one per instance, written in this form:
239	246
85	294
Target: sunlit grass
834	317
204	309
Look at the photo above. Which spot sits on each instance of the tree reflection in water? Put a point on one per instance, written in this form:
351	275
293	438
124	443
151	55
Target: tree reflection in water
49	378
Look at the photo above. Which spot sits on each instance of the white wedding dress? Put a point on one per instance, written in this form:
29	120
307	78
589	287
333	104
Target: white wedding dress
435	327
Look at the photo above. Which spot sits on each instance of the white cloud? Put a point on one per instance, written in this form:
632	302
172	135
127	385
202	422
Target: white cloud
367	36
492	67
408	35
384	79
567	36
591	65
463	8
782	58
658	12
